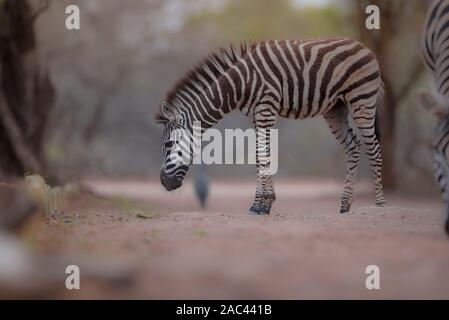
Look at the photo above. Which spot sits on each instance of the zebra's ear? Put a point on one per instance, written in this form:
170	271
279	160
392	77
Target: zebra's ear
428	101
169	113
164	114
166	111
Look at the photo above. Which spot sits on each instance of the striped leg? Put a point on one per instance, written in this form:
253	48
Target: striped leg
337	120
441	171
265	196
364	117
264	119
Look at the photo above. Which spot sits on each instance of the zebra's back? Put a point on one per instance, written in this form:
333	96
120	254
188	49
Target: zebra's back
309	76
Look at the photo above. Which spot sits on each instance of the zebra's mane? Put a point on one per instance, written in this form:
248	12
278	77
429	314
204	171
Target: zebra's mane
216	63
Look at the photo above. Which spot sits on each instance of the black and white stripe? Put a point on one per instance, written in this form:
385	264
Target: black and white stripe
337	78
435	52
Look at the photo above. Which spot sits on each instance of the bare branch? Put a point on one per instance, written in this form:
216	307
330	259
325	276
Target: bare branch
408	85
43	6
23	153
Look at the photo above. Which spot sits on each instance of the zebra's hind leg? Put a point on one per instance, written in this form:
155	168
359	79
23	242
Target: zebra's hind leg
364	118
337	120
264	120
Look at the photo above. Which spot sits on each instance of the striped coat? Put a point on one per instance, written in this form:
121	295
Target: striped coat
435	53
336	78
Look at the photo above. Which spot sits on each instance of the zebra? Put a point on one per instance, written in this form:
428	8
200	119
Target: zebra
435	54
336	77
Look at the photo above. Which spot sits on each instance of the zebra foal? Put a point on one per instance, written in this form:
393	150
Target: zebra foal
435	53
336	78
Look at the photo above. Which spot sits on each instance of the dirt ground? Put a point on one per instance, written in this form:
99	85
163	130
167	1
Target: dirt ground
304	250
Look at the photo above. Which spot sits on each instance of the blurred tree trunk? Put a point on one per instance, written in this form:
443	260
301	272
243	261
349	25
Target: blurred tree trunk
26	92
392	15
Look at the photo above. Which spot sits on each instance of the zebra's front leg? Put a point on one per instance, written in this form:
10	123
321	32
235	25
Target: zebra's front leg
265	196
265	119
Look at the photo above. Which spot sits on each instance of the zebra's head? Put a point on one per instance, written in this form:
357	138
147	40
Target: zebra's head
176	147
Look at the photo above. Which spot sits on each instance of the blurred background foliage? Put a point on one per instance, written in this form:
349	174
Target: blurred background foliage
267	19
111	75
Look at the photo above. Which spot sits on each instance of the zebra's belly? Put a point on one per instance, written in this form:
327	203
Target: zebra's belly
309	110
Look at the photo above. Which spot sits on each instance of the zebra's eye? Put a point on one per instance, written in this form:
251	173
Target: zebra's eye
169	144
180	153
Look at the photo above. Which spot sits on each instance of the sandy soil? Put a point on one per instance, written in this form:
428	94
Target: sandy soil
305	249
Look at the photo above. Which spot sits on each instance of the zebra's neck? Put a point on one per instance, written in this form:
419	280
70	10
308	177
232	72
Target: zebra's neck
207	104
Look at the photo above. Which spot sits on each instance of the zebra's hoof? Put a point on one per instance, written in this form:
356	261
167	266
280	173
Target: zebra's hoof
380	204
264	211
446	227
344	210
255	211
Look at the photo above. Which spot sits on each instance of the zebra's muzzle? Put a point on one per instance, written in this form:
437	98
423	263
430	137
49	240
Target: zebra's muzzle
170	182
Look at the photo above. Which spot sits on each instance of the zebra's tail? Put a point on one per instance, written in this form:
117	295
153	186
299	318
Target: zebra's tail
380	105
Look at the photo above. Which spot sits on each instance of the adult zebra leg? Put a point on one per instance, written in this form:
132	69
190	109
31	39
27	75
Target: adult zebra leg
440	170
264	120
265	196
364	117
337	120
